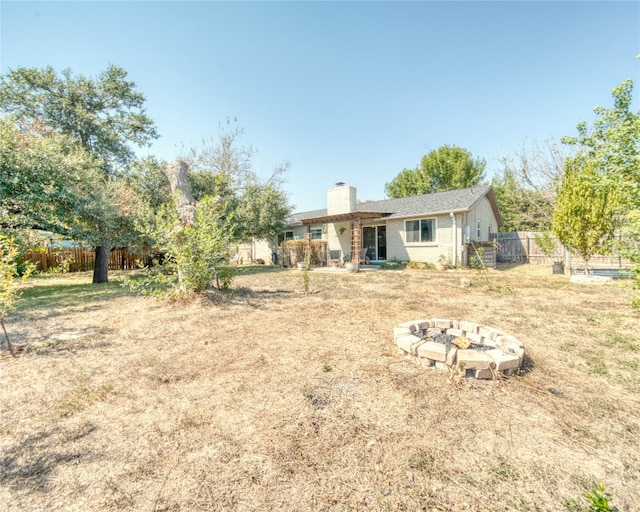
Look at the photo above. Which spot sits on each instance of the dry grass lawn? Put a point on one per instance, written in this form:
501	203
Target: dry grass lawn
270	399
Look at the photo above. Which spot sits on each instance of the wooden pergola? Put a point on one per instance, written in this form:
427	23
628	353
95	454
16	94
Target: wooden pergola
355	218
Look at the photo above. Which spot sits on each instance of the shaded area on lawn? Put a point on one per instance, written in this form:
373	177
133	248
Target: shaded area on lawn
62	295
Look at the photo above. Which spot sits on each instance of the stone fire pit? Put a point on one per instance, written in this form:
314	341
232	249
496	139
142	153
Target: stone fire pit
481	352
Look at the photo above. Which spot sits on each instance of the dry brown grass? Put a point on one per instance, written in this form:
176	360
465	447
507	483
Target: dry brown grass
269	399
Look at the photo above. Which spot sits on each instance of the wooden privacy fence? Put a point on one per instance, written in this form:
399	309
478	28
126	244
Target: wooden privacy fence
77	259
521	247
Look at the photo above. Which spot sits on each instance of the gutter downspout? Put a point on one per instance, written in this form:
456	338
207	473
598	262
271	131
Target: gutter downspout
454	240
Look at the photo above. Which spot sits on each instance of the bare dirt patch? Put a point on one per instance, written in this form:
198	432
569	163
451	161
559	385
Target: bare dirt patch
267	399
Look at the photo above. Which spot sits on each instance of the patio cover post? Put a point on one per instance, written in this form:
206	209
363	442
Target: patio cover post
356	242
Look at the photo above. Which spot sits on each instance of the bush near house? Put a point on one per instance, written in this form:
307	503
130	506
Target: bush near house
294	251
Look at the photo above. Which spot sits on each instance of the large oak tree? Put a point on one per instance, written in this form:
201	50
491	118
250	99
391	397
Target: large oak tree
104	114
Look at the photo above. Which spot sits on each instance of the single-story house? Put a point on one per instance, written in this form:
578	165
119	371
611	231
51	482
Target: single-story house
426	228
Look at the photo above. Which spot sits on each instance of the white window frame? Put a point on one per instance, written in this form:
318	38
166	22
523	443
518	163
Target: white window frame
316	233
479	231
288	235
434	231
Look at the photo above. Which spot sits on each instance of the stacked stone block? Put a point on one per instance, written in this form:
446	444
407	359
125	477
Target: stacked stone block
500	356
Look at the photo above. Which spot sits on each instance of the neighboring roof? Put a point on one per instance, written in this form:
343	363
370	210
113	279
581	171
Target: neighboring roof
460	200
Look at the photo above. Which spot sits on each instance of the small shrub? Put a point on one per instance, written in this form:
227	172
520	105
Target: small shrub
477	262
599	499
547	244
444	262
420	265
196	255
393	264
295	251
9	292
504	290
153	281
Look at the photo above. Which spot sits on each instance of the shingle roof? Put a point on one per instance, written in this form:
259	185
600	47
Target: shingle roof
295	218
459	200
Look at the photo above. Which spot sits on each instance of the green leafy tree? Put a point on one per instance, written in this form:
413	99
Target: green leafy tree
585	215
145	176
46	177
199	252
50	182
223	167
522	209
261	211
632	249
105	115
446	168
613	144
614	140
150	182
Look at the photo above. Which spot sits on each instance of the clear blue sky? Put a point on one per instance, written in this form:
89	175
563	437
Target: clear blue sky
345	91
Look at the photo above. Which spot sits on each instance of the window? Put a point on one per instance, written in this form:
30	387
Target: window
479	234
489	237
420	231
287	235
316	233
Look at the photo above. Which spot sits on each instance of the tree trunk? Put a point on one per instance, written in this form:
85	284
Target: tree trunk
101	266
6	337
179	183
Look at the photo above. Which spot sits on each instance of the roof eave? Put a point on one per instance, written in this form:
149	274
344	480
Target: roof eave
343	217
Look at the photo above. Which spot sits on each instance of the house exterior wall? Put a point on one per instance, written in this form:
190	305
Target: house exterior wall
264	250
258	249
482	213
336	240
452	230
299	232
428	252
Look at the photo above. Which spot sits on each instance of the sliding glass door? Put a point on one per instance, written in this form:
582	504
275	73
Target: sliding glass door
374	238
